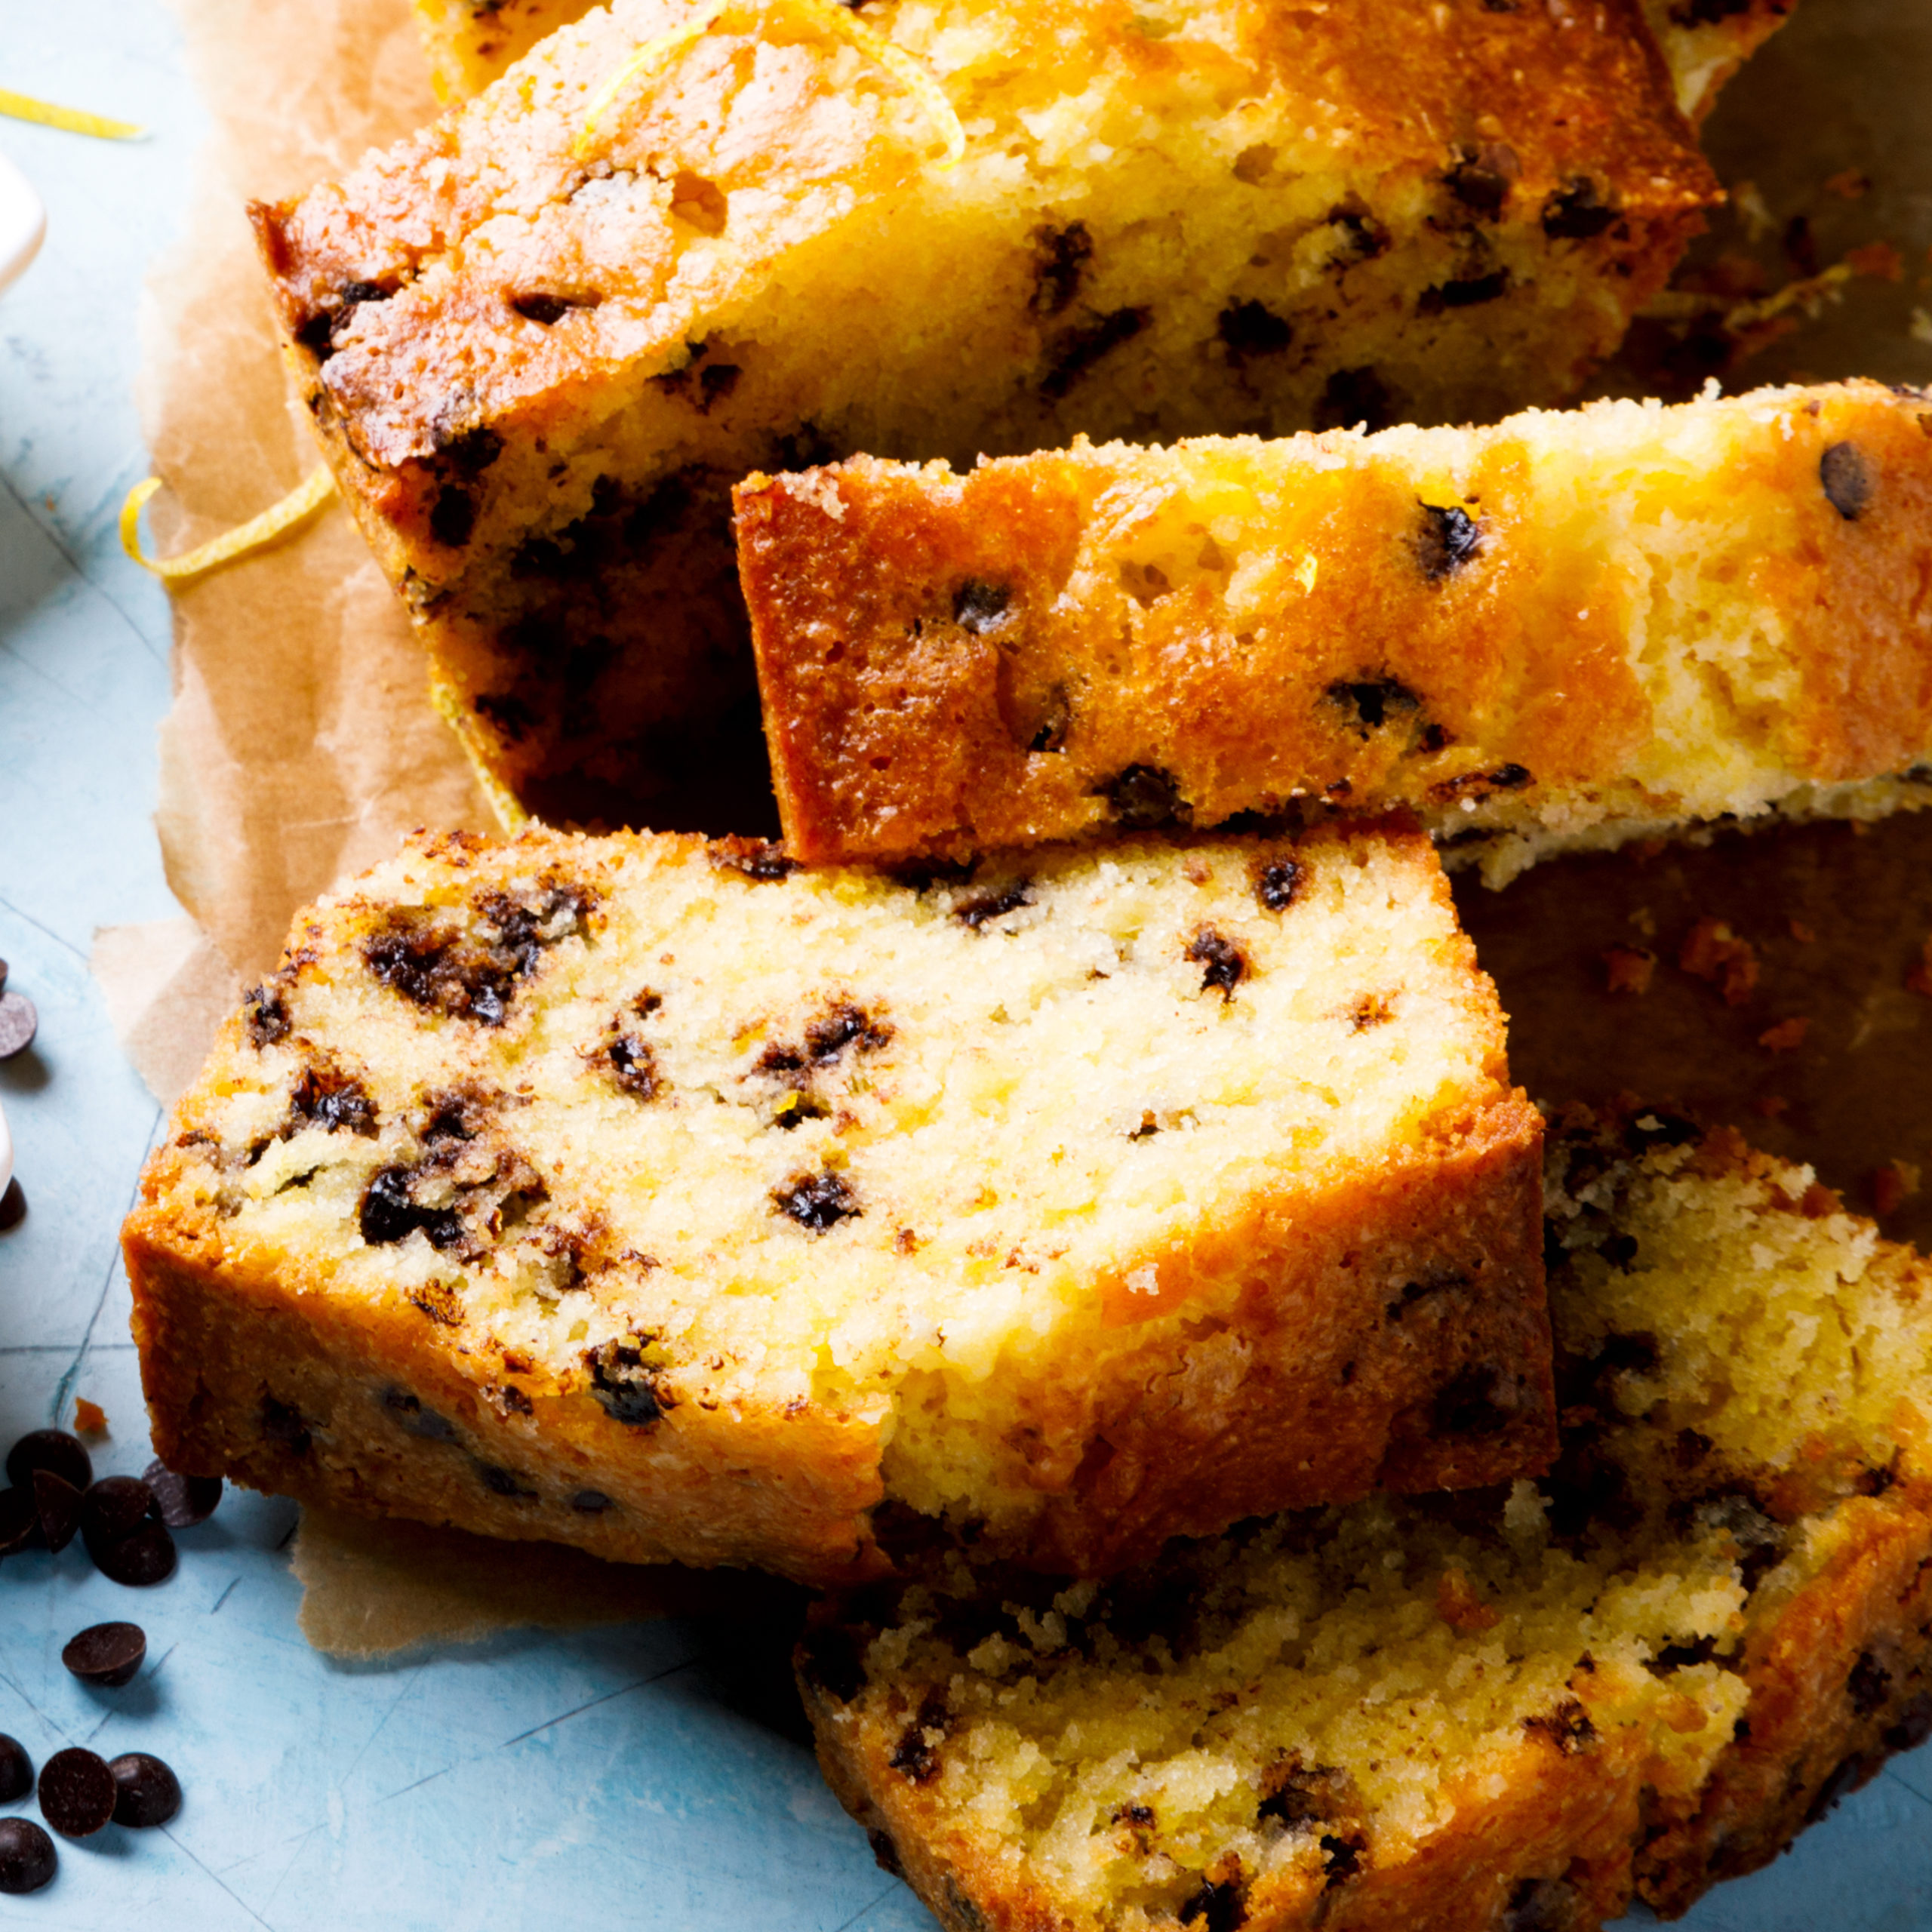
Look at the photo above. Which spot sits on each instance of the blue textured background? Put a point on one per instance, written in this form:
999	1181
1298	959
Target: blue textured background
638	1775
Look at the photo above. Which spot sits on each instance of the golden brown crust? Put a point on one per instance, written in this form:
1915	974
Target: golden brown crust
904	719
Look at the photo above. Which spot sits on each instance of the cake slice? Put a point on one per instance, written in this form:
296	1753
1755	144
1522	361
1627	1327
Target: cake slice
540	338
1508	1712
1568	629
666	1199
471	43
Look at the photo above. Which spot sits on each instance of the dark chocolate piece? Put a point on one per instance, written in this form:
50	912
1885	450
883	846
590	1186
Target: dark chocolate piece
144	1557
107	1654
49	1449
15	1770
27	1859
1847	480
13	1205
59	1504
147	1793
183	1501
77	1792
114	1507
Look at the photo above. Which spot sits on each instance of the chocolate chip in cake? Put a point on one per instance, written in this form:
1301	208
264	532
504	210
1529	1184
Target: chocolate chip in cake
761	860
452	516
844	1025
407	1412
77	1792
1224	964
1354	398
1542	1905
146	1792
1681	1657
58	1503
1470	292
1449	536
283	1422
591	1502
1218	1906
1341	1858
816	1201
830	1658
1848	480
915	1757
514	1401
1056	723
388	1214
1479	1399
27	1859
15	1770
1914	1726
1293	1794
107	1654
19	1022
632	1064
1060	256
324	1096
1568	1727
1481	178
1869	1686
544	310
1277	885
1373	702
628	1390
1576	213
1251	328
1363	239
500	1481
885	1854
1144	798
977	606
53	1449
1081	348
182	1501
265	1014
984	907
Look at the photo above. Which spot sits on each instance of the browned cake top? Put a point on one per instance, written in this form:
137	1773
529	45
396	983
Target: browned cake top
485	269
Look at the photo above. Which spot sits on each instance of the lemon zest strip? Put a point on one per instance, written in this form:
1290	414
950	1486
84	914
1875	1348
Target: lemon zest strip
658	48
315	490
912	75
75	120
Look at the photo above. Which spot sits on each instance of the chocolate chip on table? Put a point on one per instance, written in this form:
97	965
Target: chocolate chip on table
26	1856
147	1793
115	1507
58	1504
108	1654
77	1792
15	1770
183	1501
49	1449
13	1205
19	1022
20	1522
144	1557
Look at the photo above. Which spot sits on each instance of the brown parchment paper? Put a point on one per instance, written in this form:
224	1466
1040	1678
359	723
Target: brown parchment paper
301	743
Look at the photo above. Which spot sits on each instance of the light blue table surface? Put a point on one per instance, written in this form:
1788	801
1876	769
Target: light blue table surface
533	1779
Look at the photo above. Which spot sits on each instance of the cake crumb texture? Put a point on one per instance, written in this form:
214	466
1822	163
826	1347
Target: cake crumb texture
667	1199
1526	1708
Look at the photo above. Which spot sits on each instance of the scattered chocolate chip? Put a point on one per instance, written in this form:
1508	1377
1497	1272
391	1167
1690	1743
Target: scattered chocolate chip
1447	540
147	1793
1144	797
114	1507
1577	213
1848	481
20	1521
1060	256
1278	884
13	1205
139	1561
52	1449
337	1102
77	1792
58	1503
182	1501
19	1022
816	1201
107	1654
27	1859
977	606
983	908
1225	964
1252	328
388	1214
15	1770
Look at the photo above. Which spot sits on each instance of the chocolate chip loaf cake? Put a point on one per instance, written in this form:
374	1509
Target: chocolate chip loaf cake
663	1198
1569	629
1477	1714
675	243
1488	1713
471	43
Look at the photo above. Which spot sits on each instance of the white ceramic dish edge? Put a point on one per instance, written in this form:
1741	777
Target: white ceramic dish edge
23	222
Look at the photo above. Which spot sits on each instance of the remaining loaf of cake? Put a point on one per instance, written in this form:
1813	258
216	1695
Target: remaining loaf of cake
471	42
668	1200
1570	629
540	338
1491	1713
